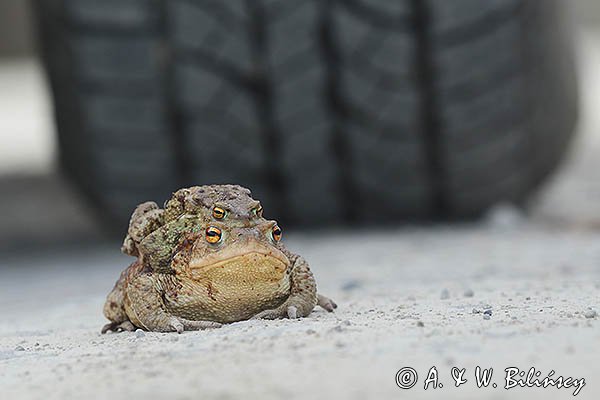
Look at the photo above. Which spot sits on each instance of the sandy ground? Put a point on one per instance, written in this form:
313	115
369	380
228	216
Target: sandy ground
412	297
507	292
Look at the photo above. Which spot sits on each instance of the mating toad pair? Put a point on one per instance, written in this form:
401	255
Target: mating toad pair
209	257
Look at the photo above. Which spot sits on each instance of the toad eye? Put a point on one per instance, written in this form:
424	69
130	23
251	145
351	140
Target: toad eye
213	234
276	233
219	213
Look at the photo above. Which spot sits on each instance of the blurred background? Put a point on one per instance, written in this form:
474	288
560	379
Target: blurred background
79	183
463	135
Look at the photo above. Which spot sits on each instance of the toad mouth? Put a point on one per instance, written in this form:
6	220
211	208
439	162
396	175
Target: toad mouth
249	251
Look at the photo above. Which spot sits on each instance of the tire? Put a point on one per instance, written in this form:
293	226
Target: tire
331	111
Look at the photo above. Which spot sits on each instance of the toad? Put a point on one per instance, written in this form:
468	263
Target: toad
209	257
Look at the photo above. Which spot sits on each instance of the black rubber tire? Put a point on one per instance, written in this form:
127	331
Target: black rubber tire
330	111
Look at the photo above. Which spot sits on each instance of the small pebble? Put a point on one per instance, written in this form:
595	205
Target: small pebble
504	216
139	333
351	285
590	314
19	348
487	312
420	324
486	316
469	293
445	294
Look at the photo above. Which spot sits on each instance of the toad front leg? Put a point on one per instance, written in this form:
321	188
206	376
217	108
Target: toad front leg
303	295
145	308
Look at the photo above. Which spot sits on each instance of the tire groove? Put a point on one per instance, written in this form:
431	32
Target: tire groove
263	95
339	147
429	112
173	114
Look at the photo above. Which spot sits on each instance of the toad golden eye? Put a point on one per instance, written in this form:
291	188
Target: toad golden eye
213	234
276	232
218	213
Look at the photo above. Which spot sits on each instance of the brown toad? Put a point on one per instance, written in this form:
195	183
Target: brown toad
209	257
